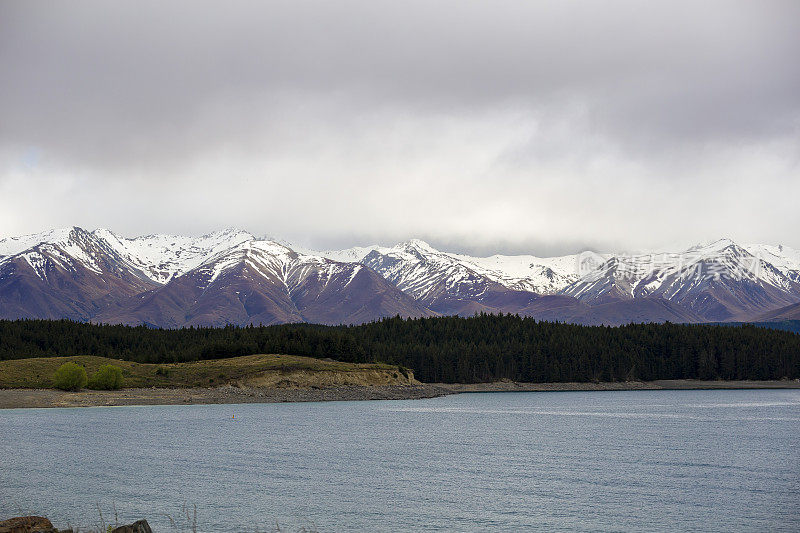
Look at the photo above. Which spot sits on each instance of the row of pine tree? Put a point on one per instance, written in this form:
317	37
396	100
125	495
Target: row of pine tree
446	349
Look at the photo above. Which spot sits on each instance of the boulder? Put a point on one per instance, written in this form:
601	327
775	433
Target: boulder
27	524
140	526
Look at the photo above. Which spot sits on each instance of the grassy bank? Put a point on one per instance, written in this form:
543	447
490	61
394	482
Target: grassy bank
252	370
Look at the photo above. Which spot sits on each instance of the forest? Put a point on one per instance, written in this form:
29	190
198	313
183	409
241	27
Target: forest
482	348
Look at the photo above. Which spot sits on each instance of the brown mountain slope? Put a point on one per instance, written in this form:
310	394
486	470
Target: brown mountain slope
789	312
46	283
637	310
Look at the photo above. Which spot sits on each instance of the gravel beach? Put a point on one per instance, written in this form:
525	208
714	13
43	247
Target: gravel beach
36	398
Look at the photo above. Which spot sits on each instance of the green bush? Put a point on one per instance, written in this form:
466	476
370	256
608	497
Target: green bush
107	377
70	376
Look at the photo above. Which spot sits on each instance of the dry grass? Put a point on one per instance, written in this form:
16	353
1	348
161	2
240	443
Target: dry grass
275	370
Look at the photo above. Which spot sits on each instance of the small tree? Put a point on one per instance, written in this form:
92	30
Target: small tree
107	377
70	376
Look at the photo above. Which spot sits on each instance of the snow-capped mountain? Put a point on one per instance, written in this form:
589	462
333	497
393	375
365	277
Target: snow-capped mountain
157	257
457	284
162	257
427	274
719	280
265	282
65	273
231	276
786	260
543	275
516	272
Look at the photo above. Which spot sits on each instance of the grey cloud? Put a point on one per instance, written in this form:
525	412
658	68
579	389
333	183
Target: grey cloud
363	102
133	70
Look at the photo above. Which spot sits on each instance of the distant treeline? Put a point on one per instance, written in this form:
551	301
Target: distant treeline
448	349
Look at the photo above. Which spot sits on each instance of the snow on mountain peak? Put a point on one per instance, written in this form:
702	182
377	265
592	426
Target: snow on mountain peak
61	246
162	257
784	258
356	254
413	265
417	244
16	245
719	263
276	261
714	247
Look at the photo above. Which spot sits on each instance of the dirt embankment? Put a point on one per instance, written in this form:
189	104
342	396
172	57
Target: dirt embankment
306	379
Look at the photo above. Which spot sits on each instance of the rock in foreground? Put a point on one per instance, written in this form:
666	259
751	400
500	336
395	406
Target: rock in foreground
40	524
140	526
27	524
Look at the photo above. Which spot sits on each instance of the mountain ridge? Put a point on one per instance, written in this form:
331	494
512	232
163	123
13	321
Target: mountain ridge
232	276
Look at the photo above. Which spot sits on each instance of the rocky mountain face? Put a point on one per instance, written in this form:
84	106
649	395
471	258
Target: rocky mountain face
233	277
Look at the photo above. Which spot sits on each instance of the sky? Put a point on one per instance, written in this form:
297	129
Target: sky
481	127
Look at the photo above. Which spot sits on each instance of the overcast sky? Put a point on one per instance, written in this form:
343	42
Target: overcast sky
497	126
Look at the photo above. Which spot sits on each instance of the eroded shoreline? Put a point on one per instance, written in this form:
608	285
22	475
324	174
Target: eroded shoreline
45	398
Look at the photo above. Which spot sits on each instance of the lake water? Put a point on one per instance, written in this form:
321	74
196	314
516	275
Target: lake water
607	461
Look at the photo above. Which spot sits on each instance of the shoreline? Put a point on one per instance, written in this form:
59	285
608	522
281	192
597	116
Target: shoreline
51	398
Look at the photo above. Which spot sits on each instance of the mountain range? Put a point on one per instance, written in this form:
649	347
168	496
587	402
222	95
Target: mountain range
234	277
